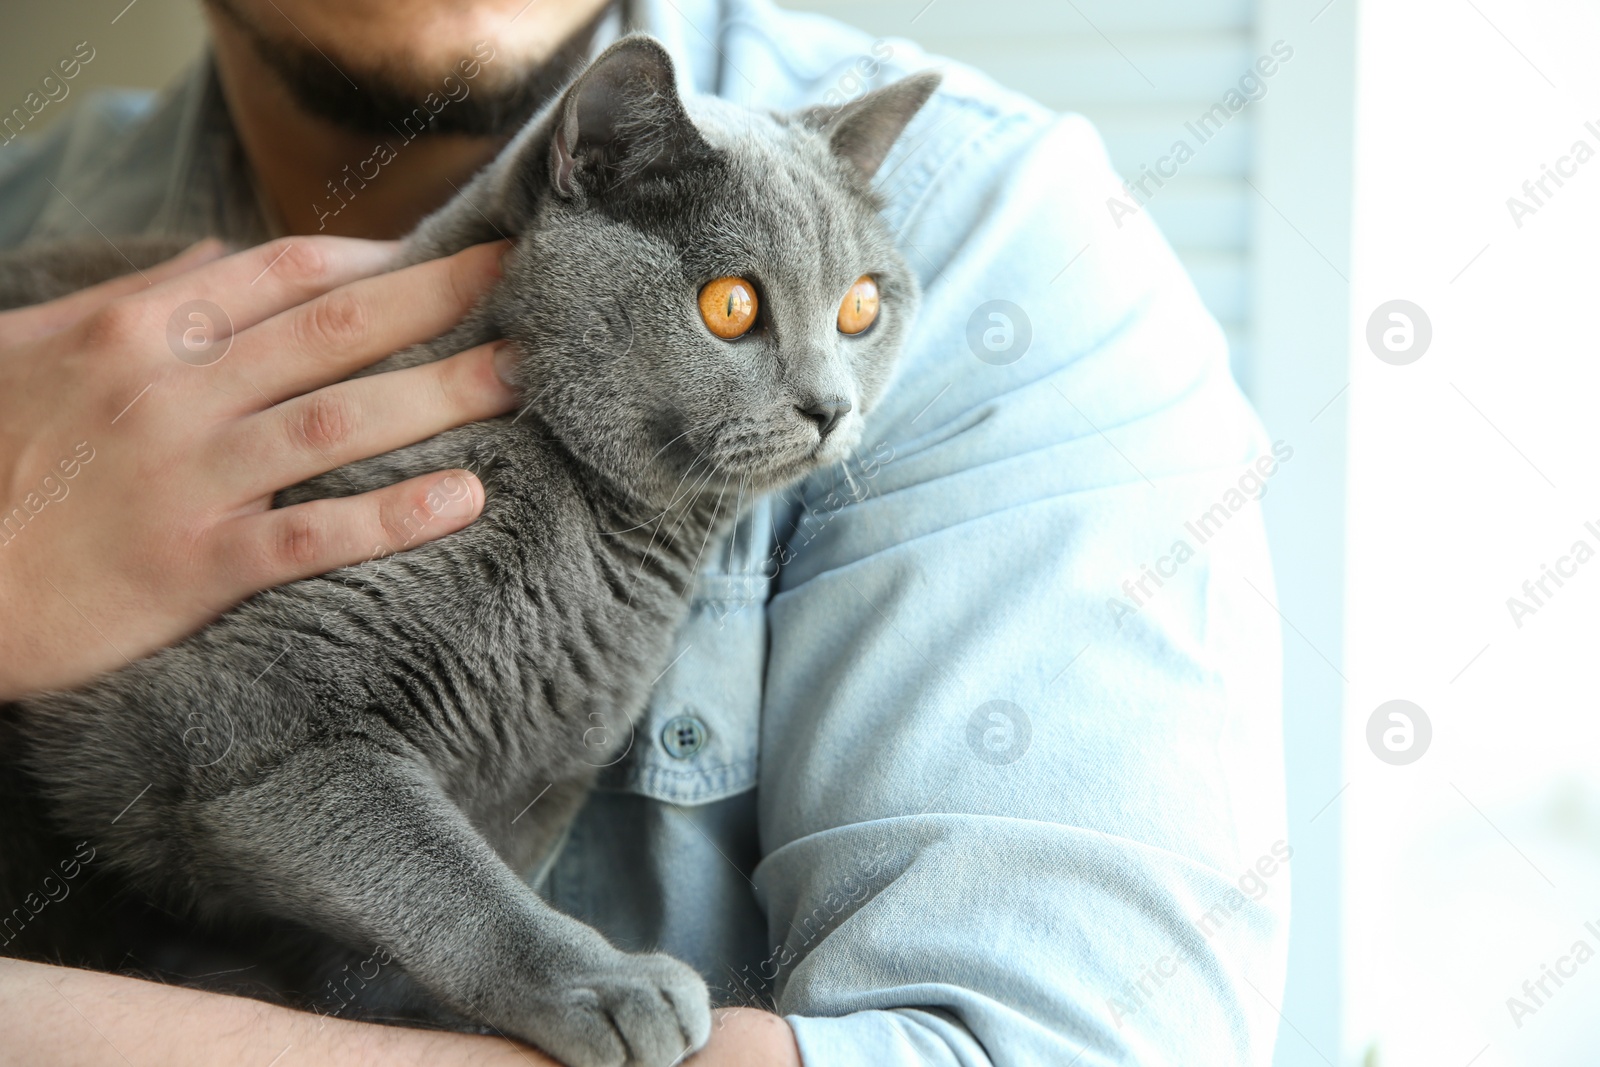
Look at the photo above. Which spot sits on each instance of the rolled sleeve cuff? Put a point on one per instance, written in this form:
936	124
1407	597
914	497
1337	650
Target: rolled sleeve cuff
903	1038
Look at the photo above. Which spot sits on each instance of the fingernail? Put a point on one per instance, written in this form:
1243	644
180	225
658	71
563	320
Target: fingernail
505	256
460	501
505	363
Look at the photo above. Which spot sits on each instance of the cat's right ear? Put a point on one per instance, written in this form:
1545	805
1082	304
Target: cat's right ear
621	121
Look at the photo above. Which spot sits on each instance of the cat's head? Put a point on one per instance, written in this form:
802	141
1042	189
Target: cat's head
693	285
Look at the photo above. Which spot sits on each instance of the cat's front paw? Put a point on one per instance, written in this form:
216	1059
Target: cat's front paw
633	1011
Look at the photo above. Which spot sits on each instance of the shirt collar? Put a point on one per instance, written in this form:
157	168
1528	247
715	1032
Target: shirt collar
213	190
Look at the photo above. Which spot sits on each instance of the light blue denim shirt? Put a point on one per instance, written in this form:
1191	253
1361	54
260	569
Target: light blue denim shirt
970	753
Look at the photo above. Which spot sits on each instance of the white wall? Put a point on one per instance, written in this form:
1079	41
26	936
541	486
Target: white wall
1470	469
138	46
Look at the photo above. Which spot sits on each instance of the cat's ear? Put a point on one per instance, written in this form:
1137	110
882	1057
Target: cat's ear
621	120
862	131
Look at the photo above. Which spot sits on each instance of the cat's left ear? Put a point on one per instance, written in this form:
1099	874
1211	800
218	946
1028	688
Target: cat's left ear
862	131
622	120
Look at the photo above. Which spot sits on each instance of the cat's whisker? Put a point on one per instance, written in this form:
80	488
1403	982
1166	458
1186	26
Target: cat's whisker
850	480
716	514
672	442
679	493
661	524
529	405
738	508
629	529
700	487
695	490
670	504
680	496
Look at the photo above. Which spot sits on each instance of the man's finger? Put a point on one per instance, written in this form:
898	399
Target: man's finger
286	544
253	285
338	333
310	434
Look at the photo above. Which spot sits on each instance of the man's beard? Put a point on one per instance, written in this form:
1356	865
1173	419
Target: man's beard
379	101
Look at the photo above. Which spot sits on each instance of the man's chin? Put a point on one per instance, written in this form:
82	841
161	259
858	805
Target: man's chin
484	91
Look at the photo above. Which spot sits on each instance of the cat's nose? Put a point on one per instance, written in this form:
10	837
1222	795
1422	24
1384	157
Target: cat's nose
826	413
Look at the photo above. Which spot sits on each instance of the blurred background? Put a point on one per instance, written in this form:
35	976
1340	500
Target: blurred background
1396	233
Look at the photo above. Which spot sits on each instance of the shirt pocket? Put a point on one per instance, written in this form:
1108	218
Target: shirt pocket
699	736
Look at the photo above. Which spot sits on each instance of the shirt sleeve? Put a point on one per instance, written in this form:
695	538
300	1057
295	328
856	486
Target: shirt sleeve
27	160
76	151
1021	794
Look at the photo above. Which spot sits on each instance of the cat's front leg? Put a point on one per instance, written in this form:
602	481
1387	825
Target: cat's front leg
362	844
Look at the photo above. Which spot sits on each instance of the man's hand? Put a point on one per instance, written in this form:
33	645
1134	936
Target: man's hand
140	447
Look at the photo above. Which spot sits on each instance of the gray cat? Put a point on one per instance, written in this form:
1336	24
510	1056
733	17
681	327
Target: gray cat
339	771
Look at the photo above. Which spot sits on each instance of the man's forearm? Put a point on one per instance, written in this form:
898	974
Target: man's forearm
69	1018
58	1017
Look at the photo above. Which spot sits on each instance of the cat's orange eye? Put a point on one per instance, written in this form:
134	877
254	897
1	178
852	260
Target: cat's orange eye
860	306
728	306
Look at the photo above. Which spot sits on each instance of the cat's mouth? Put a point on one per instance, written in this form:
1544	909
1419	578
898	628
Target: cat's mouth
825	451
767	455
772	469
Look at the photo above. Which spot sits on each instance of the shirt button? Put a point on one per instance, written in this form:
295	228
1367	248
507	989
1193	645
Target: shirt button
683	736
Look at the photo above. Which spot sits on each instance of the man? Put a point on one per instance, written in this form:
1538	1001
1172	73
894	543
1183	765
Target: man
962	760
